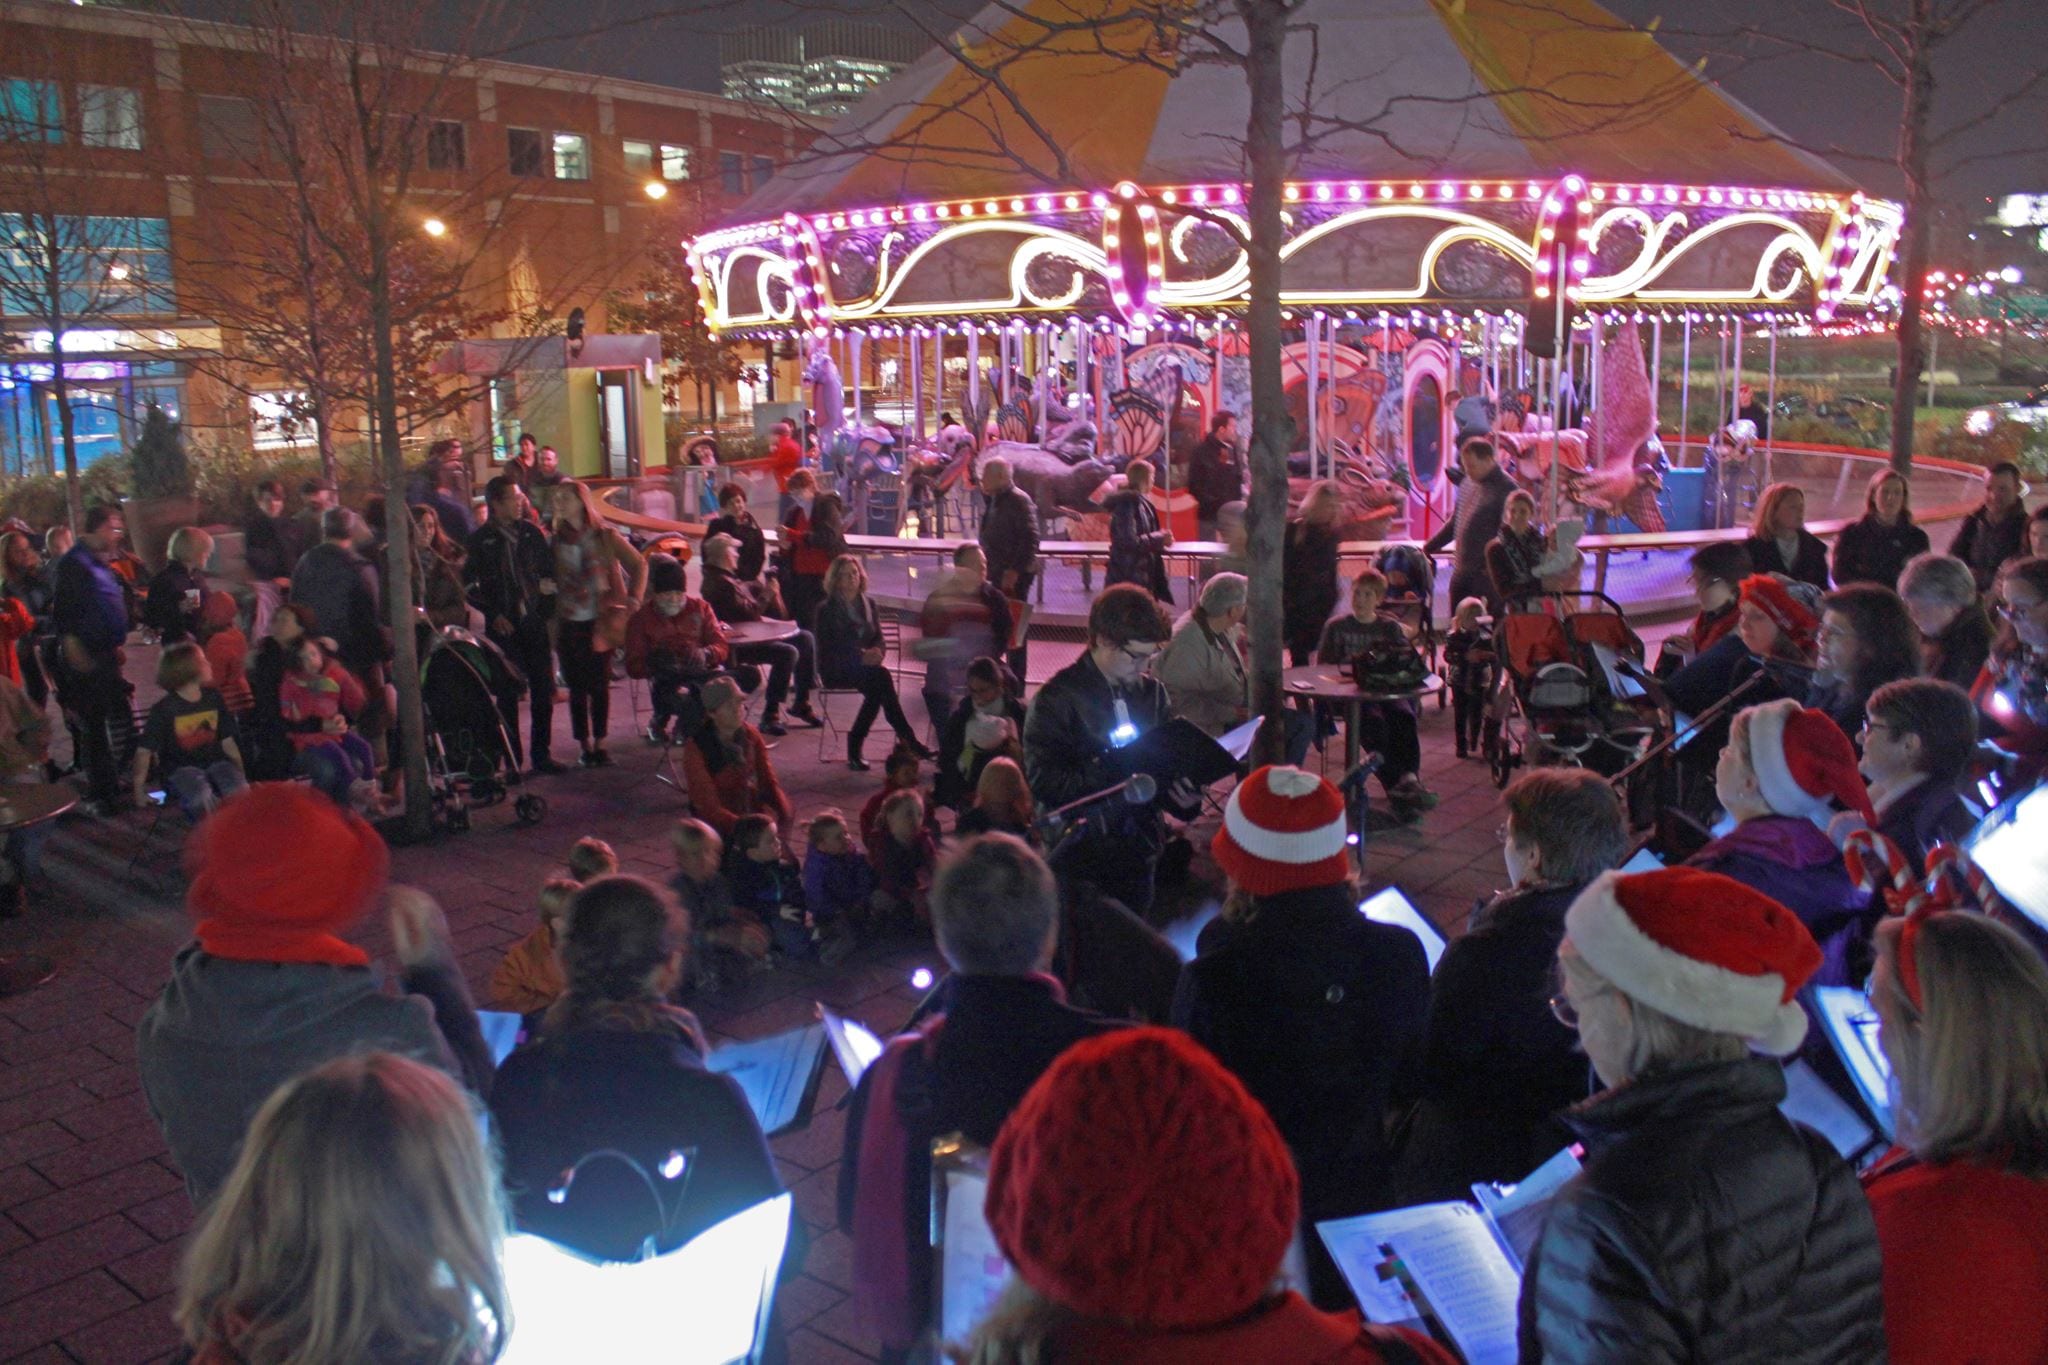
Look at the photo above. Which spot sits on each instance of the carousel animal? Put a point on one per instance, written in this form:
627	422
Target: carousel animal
1624	490
827	394
1049	479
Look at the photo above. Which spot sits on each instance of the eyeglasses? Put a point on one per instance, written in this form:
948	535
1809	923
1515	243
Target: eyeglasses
1872	724
1565	1012
2013	611
1144	651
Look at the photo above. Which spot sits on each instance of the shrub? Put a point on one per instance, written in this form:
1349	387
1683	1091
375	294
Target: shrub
160	467
2005	441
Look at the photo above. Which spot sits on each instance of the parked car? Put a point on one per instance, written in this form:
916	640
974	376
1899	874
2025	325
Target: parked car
2031	409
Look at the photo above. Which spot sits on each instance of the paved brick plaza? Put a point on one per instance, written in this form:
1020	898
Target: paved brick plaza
92	1213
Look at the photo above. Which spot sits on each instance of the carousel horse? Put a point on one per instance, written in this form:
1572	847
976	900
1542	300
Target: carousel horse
827	394
1731	473
1052	481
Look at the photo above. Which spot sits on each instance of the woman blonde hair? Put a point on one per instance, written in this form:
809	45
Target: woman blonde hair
1970	1062
1763	526
190	545
361	1222
840	567
1878	481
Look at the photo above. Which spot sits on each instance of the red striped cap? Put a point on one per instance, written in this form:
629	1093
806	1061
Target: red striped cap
1283	830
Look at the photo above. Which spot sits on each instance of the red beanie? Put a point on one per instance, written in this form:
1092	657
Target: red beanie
1282	831
1788	613
1805	765
1139	1180
1703	948
277	870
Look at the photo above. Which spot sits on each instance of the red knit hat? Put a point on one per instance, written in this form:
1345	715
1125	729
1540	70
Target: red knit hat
218	611
1804	764
1282	831
1139	1180
1770	596
277	870
1702	948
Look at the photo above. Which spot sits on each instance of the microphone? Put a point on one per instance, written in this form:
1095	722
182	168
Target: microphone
1136	790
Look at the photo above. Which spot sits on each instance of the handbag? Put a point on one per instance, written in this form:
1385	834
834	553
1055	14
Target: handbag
1389	669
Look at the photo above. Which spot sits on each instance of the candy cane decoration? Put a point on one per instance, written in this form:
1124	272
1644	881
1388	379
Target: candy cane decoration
1878	866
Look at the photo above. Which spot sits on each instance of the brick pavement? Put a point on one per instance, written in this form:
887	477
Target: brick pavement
91	1210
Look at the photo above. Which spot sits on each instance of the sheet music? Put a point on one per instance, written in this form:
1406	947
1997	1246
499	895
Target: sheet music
1643	861
1809	1101
1467	1281
853	1045
972	1271
501	1032
1237	742
1357	1245
1851	1025
775	1072
1518	1211
1389	906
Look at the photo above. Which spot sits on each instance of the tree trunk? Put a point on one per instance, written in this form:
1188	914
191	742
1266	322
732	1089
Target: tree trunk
67	425
1919	102
408	724
1272	433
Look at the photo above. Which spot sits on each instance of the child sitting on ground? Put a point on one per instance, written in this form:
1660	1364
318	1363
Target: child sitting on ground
767	884
227	651
190	736
1002	803
590	859
726	945
1468	662
530	978
903	854
902	771
837	885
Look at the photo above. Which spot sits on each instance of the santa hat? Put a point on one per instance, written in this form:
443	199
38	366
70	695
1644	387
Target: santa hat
1700	947
1139	1180
1804	764
1774	597
1283	830
277	871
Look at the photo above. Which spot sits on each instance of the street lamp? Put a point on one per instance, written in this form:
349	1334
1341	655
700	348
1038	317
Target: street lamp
117	272
434	227
656	190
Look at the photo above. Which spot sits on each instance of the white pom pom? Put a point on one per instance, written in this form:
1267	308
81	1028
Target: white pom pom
1292	782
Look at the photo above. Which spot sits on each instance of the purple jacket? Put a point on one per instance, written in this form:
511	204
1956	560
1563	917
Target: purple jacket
1793	861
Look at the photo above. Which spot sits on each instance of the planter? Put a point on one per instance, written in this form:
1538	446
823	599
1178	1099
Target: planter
151	522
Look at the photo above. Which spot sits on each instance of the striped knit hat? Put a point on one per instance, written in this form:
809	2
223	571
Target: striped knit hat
1282	831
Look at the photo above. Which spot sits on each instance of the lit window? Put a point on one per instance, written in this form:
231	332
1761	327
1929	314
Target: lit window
279	421
572	156
675	162
639	158
110	116
30	111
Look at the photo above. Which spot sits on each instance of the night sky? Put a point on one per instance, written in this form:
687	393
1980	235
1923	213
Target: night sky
1815	100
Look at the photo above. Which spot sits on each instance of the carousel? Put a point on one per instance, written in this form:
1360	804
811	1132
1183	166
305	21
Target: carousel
1477	164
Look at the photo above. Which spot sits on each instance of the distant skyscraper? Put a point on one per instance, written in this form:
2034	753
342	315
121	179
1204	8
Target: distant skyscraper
816	69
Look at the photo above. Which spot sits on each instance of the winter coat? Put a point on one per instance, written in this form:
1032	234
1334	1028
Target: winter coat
641	1091
733	599
168	609
269	546
959	767
1287	1330
224	1033
340	587
1009	535
504	567
305	702
1957	655
843	631
1706	1226
1511	562
1709	628
1137	544
1215	475
963	1072
1868	551
728	781
529	977
1793	861
1927	813
1204	675
1067	753
836	884
690	643
1497	1066
1320	1012
1475	520
962	624
1984	544
1965	1262
1809	561
753	548
88	603
1841	701
1308	586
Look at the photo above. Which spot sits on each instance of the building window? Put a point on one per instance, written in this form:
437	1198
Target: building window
279	421
523	150
110	116
639	158
230	129
572	156
31	111
447	149
764	171
732	170
675	162
106	267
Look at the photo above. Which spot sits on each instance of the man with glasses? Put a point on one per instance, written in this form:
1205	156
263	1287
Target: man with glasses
1079	723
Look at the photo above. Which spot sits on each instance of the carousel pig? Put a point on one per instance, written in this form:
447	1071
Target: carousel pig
1046	477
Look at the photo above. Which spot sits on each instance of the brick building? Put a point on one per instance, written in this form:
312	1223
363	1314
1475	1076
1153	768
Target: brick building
142	129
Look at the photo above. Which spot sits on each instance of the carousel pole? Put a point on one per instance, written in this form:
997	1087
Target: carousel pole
855	344
974	384
1079	332
1735	374
1308	333
1771	401
1596	339
916	348
1656	372
1685	387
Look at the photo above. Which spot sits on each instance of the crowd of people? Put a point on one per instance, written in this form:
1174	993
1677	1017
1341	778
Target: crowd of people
1163	1136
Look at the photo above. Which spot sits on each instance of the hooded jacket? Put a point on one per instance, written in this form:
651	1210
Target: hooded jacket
1706	1226
1793	861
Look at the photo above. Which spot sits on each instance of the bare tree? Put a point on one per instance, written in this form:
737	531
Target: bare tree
664	300
63	266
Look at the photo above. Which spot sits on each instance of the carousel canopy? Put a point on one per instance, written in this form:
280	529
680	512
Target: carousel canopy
1062	162
1491	89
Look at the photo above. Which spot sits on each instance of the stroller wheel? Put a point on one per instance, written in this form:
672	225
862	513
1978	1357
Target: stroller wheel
530	809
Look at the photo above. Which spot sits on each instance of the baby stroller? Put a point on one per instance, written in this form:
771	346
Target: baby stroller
1411	599
1555	706
466	687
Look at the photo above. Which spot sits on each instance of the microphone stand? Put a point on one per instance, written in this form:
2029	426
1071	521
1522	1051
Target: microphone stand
1677	737
1352	786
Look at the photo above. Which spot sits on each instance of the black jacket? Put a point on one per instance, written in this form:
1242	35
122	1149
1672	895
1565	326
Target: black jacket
843	632
507	561
340	587
1497	1066
1957	655
1308	584
753	551
269	546
1476	519
1809	564
1868	551
167	610
1984	544
1009	535
1067	753
645	1094
1706	1226
1137	545
1320	1012
732	600
1214	475
1928	813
